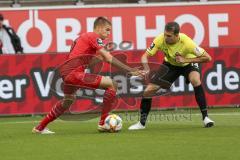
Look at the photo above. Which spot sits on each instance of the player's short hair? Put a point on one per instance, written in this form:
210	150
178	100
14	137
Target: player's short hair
1	17
101	21
172	27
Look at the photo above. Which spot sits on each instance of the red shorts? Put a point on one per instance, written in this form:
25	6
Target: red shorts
78	79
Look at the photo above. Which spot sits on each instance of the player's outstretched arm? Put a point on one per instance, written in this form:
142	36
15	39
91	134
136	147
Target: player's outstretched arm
144	60
107	57
95	61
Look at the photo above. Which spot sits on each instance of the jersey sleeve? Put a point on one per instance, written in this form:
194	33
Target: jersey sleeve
96	42
195	49
154	47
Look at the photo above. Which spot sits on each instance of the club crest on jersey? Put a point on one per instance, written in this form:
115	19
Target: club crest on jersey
100	42
152	46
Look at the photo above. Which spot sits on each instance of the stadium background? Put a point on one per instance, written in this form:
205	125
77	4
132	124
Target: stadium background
47	31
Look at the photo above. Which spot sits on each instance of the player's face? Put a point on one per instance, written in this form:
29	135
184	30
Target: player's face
170	37
105	31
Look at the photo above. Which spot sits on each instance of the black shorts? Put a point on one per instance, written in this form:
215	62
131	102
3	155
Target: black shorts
167	74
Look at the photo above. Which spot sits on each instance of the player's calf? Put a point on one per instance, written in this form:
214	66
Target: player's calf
68	100
109	100
56	111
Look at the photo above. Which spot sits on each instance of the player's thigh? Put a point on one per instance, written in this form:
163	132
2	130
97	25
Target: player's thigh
83	80
192	74
107	82
194	78
165	75
150	90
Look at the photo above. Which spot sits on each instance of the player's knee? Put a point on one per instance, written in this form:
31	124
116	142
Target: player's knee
148	93
68	101
151	90
195	82
166	86
109	96
113	86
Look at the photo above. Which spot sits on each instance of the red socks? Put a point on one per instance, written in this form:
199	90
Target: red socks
108	102
55	112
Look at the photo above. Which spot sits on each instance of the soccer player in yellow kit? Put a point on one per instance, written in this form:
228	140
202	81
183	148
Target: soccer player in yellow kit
182	56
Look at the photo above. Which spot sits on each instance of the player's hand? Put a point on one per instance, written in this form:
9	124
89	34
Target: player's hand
137	72
180	58
146	73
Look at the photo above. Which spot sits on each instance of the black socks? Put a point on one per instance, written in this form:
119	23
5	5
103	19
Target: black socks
145	109
201	100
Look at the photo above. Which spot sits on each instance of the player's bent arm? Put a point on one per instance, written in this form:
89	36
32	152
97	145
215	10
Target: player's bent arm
201	59
95	60
144	60
107	57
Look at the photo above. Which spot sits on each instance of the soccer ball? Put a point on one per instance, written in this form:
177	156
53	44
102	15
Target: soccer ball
113	123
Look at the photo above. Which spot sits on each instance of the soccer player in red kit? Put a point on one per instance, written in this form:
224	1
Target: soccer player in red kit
83	51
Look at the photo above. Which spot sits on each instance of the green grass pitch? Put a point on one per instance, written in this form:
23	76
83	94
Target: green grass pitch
170	135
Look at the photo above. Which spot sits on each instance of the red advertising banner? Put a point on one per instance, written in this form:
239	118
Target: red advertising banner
53	30
24	87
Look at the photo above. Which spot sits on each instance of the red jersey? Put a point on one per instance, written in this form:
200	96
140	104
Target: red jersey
83	50
87	43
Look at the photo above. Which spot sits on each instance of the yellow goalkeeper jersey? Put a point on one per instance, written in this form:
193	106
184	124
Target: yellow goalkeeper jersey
185	46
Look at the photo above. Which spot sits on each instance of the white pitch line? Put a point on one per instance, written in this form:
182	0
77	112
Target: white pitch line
196	114
24	122
219	114
20	122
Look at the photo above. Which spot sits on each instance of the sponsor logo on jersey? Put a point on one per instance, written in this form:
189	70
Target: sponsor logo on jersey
152	46
100	42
